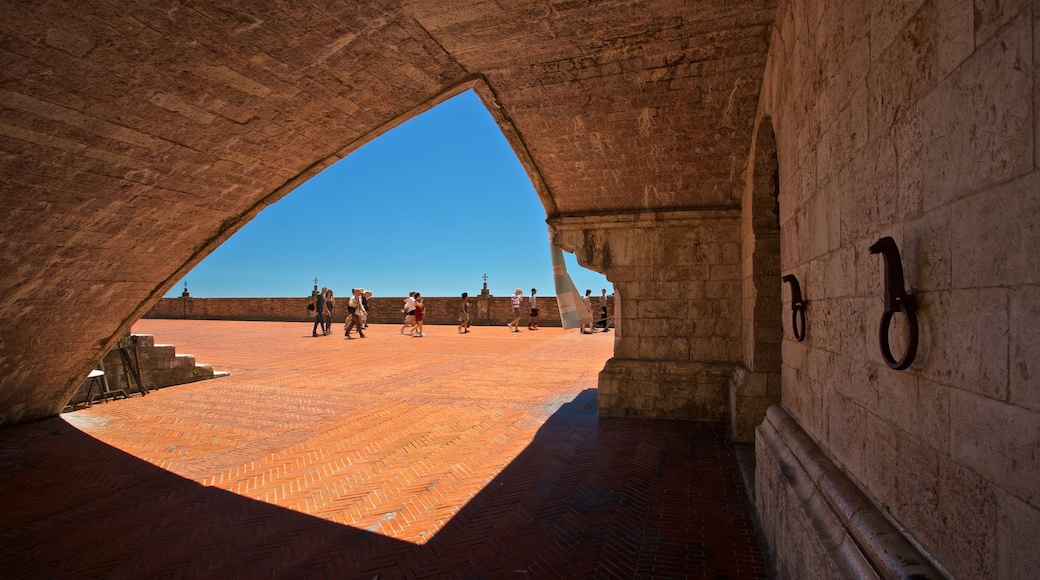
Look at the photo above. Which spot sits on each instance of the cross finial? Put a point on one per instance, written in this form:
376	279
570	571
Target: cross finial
485	278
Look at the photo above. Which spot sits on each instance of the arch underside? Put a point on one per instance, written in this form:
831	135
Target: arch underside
137	139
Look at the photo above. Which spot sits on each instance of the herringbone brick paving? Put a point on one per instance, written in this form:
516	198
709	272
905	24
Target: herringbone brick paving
476	456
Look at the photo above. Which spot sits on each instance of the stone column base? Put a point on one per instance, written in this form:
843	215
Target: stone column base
750	395
692	391
816	521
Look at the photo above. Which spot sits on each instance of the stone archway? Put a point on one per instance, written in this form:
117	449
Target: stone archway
756	384
136	139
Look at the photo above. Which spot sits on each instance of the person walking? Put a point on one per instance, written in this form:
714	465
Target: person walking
587	328
330	303
319	312
515	300
365	295
355	307
409	313
603	311
420	311
464	314
532	322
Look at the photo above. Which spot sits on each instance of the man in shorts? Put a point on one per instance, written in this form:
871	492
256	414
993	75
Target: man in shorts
515	300
409	313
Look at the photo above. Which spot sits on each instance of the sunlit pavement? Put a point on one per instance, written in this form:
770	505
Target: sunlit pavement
446	456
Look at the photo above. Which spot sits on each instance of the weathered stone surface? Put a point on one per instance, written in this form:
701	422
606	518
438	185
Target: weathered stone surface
947	168
1018	524
119	125
977	126
640	125
678	344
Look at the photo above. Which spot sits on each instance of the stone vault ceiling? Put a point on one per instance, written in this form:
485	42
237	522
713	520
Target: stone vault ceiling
136	137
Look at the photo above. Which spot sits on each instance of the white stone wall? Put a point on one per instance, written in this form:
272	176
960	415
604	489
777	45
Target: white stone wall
918	120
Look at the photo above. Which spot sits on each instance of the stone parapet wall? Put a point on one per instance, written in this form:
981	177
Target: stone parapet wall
484	310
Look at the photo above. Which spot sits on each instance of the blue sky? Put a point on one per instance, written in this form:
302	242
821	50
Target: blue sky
430	206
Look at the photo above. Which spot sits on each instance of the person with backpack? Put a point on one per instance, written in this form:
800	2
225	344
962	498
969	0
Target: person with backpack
320	311
355	307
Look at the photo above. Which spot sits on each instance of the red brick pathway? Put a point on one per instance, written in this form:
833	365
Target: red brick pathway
476	456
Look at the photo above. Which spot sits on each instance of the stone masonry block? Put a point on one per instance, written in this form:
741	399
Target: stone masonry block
998	231
1024	348
967	546
1018	526
977	125
993	439
917	502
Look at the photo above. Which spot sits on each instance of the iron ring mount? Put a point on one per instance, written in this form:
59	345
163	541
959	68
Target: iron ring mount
897	299
797	307
911	347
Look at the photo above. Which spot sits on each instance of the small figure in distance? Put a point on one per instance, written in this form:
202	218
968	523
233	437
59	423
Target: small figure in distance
603	311
329	305
409	313
532	322
319	312
365	295
464	314
355	307
587	302
515	300
420	310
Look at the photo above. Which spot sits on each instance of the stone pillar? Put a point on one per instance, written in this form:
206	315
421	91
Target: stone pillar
756	384
677	281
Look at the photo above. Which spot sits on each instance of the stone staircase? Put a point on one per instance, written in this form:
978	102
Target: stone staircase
161	366
158	365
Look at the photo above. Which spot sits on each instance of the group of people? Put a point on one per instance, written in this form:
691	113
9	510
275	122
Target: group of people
414	310
532	321
323	304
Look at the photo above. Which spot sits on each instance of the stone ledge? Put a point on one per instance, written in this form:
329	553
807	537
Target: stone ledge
851	535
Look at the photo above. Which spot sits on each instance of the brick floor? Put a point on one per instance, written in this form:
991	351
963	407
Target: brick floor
448	456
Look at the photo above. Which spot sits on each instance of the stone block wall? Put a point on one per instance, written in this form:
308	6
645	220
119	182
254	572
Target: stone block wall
677	276
916	120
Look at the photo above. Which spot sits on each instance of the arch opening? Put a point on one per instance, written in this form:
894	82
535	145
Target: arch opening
433	205
756	383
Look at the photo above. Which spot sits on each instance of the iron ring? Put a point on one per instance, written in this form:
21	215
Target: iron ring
798	311
911	347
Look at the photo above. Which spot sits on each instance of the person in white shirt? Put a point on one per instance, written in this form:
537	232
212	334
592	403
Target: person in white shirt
532	322
515	300
409	313
356	307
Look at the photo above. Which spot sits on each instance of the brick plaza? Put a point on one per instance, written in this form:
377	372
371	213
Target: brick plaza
448	456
